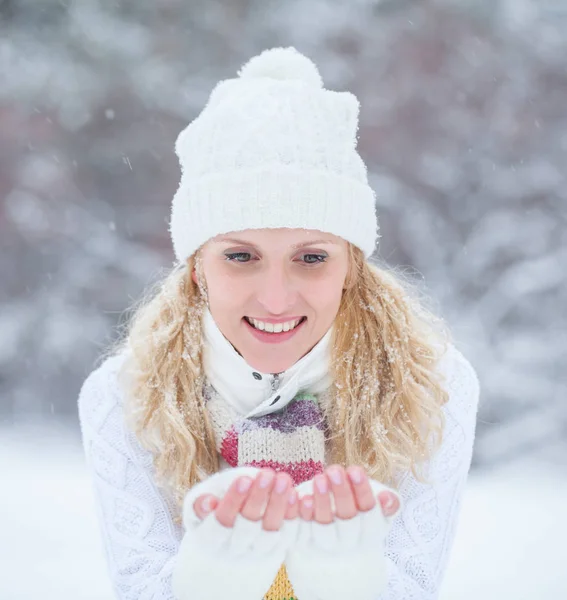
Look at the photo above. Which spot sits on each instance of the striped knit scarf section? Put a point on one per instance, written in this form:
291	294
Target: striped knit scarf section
291	440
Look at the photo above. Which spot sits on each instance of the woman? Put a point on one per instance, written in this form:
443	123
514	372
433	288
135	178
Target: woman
283	418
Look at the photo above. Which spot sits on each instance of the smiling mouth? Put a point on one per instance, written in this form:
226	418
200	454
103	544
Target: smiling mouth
251	323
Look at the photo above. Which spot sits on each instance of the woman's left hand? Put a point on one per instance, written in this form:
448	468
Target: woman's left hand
352	494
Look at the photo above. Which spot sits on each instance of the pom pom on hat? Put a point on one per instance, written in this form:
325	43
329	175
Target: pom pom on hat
284	64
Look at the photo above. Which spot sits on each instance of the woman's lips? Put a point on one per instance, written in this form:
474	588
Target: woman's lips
274	338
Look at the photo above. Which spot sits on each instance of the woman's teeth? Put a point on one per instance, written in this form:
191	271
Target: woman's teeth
274	328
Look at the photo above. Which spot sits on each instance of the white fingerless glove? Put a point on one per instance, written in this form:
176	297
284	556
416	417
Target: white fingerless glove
342	559
217	562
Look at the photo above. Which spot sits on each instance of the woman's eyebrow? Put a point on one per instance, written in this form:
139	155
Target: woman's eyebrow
294	246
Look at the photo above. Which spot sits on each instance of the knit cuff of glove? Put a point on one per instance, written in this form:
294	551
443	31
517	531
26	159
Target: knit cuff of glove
215	561
342	559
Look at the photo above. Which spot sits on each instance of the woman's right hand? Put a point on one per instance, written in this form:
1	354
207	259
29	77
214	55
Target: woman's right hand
248	497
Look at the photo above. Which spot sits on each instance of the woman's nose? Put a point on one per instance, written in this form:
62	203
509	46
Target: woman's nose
275	292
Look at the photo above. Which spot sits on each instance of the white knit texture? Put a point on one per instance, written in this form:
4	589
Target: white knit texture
247	556
142	542
320	559
326	561
273	149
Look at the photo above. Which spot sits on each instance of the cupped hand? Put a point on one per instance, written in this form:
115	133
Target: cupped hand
269	497
352	494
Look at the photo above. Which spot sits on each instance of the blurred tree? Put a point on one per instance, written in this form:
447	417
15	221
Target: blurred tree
463	126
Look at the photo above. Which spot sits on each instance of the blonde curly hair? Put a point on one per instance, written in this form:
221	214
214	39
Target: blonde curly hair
383	411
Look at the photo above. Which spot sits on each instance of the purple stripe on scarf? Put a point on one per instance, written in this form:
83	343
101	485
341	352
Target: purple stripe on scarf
298	413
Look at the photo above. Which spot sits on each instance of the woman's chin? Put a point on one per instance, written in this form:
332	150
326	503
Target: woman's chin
269	364
270	367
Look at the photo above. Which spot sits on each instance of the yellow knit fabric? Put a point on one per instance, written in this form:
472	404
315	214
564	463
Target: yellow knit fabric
281	589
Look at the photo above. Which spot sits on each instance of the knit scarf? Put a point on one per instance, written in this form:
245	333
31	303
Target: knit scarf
289	439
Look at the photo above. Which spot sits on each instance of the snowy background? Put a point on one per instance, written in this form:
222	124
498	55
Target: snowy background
464	130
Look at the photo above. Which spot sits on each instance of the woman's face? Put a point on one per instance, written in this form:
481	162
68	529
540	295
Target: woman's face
274	276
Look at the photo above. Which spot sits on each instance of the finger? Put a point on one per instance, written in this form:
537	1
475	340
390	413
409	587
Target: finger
233	500
292	511
390	503
277	503
322	500
256	503
204	505
363	495
306	508
345	504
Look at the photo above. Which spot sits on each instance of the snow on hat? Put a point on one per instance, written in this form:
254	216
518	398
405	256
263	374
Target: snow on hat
272	148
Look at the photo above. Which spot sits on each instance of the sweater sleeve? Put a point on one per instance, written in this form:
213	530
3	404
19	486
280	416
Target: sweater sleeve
418	542
139	536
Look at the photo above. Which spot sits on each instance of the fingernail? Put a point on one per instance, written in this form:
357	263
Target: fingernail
244	485
307	502
266	479
321	483
389	501
356	475
281	485
335	476
292	498
206	505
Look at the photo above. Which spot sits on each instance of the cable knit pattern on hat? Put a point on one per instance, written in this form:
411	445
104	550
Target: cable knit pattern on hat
143	543
272	148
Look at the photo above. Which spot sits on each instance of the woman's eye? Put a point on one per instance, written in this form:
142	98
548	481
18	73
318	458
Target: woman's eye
237	256
319	258
232	257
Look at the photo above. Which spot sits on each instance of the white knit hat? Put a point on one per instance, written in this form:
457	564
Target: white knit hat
273	148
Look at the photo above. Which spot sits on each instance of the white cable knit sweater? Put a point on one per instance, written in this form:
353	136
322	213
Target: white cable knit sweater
143	544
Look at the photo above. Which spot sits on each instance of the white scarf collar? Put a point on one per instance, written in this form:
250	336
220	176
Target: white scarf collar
252	393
